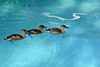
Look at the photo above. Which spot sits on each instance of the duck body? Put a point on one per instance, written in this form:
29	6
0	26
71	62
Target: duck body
57	30
16	36
54	30
36	31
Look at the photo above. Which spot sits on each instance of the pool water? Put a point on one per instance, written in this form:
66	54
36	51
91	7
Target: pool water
79	46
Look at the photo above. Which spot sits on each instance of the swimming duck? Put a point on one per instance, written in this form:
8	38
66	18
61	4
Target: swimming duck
16	36
57	30
36	31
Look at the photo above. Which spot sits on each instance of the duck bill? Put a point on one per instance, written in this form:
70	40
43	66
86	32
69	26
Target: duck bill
45	27
67	27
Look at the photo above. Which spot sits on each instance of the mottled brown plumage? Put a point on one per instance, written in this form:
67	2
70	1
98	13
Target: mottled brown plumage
36	31
57	30
16	36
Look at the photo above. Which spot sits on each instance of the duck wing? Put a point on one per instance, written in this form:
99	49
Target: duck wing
33	31
14	36
54	30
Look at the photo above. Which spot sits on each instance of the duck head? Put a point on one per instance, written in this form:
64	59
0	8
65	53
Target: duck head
63	26
24	31
42	26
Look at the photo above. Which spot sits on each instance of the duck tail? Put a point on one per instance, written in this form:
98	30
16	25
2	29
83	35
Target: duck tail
5	38
28	33
47	29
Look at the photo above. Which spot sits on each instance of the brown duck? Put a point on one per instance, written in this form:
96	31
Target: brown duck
36	31
16	36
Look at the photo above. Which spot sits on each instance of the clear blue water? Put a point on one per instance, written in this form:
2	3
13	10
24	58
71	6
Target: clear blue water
79	46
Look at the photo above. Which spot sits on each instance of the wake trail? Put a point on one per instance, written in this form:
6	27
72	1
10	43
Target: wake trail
60	18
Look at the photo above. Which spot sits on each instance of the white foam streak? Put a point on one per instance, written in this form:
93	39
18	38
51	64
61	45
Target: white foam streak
74	15
53	23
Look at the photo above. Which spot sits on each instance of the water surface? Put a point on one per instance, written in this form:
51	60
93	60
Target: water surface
77	47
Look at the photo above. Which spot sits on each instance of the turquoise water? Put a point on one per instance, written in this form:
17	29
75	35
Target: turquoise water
79	46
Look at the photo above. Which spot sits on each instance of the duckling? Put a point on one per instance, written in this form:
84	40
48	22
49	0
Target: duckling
57	30
16	36
36	31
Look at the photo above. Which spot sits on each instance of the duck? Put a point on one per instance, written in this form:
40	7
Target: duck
16	36
36	31
57	30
